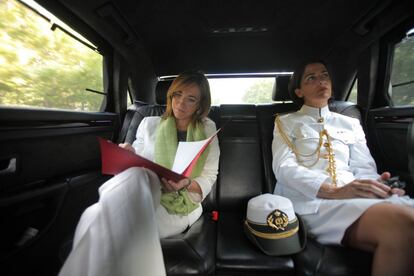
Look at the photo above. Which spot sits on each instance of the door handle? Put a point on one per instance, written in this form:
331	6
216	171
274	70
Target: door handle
8	165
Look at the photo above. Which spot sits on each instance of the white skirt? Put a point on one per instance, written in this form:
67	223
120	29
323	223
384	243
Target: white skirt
334	216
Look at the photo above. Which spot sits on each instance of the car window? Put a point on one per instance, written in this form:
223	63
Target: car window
353	94
44	63
401	88
241	90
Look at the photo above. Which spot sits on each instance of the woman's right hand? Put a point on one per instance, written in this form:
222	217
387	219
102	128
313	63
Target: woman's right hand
127	146
363	188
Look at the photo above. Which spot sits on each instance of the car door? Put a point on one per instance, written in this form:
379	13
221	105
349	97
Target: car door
55	93
49	174
388	122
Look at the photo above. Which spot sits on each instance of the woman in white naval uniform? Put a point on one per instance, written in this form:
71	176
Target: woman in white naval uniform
119	235
322	164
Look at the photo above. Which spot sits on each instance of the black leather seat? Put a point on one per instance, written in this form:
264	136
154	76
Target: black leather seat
315	259
241	178
139	110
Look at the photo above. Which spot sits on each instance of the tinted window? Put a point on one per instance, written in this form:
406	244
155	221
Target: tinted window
402	76
41	65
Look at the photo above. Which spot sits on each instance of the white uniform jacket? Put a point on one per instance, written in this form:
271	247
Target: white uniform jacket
300	183
145	142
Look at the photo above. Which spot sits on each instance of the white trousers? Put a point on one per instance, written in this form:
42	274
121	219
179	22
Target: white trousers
118	235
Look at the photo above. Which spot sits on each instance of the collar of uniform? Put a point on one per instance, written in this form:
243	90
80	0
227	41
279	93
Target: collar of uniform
316	112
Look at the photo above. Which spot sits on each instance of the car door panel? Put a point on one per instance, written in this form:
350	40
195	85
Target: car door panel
388	130
49	173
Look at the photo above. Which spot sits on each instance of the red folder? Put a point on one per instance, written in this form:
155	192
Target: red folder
116	159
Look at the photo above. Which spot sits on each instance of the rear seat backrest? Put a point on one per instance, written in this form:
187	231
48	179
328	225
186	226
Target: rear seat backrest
266	115
138	115
240	176
139	111
346	108
161	91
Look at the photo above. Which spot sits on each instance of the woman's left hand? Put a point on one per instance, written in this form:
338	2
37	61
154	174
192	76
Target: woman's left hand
171	186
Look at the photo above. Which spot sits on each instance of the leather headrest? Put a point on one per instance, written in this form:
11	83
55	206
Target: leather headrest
161	91
280	89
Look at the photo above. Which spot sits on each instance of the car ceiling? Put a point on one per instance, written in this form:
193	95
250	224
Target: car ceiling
219	36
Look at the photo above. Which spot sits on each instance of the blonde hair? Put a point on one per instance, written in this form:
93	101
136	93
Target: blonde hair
186	79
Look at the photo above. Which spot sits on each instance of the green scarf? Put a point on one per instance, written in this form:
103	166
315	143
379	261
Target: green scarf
166	144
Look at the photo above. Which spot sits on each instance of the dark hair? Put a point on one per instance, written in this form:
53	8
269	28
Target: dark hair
296	79
188	78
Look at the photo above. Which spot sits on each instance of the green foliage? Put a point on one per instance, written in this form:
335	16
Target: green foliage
260	92
44	68
403	73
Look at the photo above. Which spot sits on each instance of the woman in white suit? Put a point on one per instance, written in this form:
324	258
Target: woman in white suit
120	234
323	165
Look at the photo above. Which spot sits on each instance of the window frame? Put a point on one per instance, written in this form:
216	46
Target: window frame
386	61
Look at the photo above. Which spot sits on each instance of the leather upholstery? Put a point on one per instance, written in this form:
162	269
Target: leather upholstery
240	179
240	176
280	89
137	116
236	255
346	108
324	260
161	91
192	252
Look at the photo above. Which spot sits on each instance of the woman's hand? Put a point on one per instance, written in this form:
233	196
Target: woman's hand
397	191
365	188
171	186
127	146
362	188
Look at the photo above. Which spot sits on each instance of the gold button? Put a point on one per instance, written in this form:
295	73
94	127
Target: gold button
320	120
326	145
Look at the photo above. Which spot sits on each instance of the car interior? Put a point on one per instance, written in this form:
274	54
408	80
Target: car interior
50	166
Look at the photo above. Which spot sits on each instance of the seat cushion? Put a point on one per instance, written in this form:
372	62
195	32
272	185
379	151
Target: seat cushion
192	252
324	260
236	254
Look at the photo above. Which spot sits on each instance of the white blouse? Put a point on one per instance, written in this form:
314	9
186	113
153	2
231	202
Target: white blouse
145	143
300	183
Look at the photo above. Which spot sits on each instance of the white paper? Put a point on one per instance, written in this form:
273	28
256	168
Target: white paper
186	152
